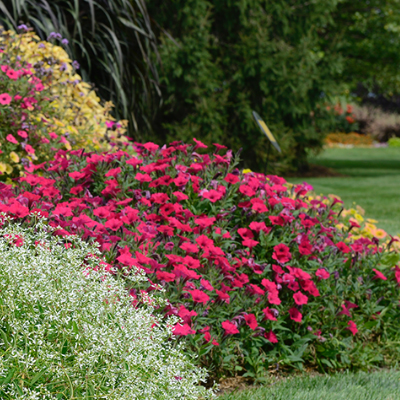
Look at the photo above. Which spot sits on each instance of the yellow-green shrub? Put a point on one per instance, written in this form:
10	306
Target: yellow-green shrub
64	104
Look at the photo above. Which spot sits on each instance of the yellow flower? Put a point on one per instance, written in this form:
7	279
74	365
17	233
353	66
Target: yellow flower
14	157
247	171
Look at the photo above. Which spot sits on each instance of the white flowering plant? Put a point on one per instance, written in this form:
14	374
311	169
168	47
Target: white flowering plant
68	330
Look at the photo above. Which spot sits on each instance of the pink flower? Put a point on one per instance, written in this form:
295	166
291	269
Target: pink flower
199	296
165	276
322	273
230	328
246	190
251	321
12	74
295	314
113	224
223	296
379	275
250	243
199	144
113	172
245	233
183	330
11	139
352	327
281	253
345	311
213	195
23	134
5	99
206	284
189	247
151	147
270	336
343	247
232	179
269	314
29	149
143	177
300	298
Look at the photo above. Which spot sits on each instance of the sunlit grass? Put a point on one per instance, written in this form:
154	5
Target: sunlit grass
381	385
371	178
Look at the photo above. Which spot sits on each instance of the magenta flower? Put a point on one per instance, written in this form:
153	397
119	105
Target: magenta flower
229	327
251	321
295	314
199	296
281	253
5	99
11	139
270	336
300	298
352	327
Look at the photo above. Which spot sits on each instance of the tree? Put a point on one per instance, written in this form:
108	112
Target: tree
230	57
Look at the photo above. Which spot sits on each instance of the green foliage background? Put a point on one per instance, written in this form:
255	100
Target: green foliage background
230	57
177	69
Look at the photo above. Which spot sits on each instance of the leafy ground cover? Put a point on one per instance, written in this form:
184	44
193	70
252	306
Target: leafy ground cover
371	179
380	385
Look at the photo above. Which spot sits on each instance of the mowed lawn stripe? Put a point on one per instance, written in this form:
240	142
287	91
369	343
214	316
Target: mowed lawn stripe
371	179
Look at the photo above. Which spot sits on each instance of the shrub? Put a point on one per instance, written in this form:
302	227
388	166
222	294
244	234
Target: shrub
68	329
343	118
394	142
45	104
260	273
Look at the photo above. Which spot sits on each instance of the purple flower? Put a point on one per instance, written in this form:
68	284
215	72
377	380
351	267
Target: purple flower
64	41
75	64
22	27
41	46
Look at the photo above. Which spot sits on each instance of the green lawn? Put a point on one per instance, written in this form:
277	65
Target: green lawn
371	179
346	386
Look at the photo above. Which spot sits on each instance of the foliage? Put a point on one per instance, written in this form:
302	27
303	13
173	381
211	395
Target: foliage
260	273
45	105
369	40
113	42
228	58
68	330
394	142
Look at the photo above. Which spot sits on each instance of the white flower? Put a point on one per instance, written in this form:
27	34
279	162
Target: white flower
68	327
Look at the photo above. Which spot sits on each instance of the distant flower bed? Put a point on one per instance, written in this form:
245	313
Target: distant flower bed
259	273
348	139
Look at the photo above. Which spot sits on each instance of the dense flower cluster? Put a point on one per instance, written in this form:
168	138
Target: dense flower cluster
69	331
45	105
258	272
